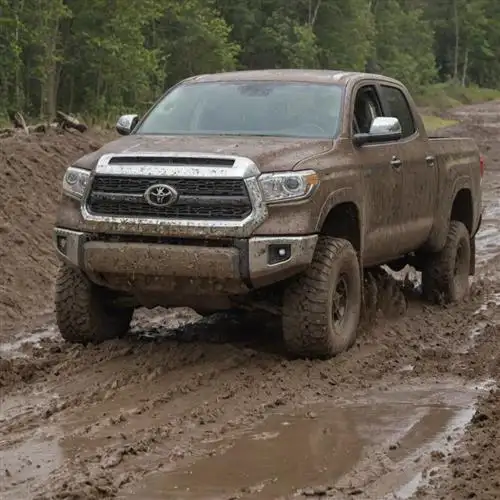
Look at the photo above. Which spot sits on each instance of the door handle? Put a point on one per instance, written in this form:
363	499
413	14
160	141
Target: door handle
396	162
431	161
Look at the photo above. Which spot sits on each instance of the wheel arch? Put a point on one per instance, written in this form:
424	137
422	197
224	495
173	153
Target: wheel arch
343	221
455	204
462	208
340	217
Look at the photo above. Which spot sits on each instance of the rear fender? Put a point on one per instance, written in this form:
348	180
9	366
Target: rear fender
439	231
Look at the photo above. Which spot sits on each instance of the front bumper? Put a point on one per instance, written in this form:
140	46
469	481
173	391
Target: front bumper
239	266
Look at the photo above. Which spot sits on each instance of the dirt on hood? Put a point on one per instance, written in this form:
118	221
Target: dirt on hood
271	154
31	170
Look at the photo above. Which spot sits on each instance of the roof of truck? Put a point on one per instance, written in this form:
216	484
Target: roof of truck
290	75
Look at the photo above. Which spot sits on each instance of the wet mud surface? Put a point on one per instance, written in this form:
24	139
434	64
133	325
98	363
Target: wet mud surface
190	408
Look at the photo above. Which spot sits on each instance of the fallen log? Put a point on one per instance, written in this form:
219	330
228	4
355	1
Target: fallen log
18	120
6	132
63	121
40	128
67	121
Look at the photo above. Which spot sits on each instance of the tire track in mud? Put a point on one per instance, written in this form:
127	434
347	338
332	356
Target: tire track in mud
118	419
198	391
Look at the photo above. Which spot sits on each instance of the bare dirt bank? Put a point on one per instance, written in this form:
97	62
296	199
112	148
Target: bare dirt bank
31	170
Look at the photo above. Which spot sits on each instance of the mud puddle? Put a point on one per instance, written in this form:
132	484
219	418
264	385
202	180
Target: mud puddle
28	460
24	342
385	439
488	237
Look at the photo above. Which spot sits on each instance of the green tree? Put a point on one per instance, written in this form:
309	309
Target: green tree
103	57
403	43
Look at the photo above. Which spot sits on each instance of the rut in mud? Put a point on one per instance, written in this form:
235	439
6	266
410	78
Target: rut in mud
186	408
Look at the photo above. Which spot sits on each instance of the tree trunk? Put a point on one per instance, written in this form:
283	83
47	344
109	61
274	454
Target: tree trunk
457	41
17	83
52	82
465	68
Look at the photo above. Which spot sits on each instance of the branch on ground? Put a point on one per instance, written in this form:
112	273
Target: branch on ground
67	121
63	121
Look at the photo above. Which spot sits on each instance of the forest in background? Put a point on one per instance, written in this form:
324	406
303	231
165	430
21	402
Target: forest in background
100	58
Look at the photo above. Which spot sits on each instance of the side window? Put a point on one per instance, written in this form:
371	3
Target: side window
366	109
399	108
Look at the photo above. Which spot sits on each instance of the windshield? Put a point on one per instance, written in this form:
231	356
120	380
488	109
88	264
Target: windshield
253	108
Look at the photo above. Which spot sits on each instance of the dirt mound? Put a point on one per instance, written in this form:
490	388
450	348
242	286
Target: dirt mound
476	473
31	170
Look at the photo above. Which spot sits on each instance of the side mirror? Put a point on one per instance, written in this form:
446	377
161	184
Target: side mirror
382	129
126	124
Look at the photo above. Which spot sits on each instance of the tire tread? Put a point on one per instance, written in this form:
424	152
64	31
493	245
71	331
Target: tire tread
306	327
438	274
81	316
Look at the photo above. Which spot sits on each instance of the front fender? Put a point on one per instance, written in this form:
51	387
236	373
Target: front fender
342	195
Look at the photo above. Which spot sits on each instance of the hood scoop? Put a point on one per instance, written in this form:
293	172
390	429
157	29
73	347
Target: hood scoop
198	161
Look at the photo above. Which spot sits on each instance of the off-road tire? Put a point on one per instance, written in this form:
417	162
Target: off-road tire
309	329
445	275
83	313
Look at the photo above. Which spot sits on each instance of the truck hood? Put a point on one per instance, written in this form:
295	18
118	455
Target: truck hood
271	154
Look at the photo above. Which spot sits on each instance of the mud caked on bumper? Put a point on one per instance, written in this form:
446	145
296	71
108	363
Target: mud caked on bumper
193	268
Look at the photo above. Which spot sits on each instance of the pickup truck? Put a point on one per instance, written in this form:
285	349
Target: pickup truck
282	186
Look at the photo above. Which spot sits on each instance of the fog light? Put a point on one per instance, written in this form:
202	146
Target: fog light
62	244
278	253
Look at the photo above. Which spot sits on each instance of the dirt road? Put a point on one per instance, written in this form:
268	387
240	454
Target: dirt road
214	410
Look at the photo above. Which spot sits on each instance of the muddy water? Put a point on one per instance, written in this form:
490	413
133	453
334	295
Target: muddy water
488	237
315	447
386	436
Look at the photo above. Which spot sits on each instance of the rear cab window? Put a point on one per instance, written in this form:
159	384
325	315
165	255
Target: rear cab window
397	106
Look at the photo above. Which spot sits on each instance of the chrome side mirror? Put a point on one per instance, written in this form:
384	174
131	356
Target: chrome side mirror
126	124
385	125
382	129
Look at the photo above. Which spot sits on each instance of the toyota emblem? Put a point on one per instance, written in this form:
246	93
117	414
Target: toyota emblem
161	195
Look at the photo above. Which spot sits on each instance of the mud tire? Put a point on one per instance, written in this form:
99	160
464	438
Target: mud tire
445	276
309	329
83	314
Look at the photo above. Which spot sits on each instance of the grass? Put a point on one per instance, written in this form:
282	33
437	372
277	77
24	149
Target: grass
436	99
444	96
433	123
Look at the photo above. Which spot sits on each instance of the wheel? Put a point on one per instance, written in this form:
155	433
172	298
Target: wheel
321	308
83	310
445	274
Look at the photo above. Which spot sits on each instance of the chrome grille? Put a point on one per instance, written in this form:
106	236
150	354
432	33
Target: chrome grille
199	198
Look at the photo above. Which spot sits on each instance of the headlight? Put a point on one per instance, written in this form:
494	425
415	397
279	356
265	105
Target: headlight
288	186
75	181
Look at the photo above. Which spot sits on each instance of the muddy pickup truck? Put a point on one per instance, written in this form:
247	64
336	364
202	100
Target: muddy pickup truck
282	186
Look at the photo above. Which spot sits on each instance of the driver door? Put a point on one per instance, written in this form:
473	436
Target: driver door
381	180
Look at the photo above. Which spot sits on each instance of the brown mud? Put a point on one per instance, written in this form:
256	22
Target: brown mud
184	408
31	171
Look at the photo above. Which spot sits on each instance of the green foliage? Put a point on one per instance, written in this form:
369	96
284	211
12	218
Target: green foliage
101	58
443	96
404	43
